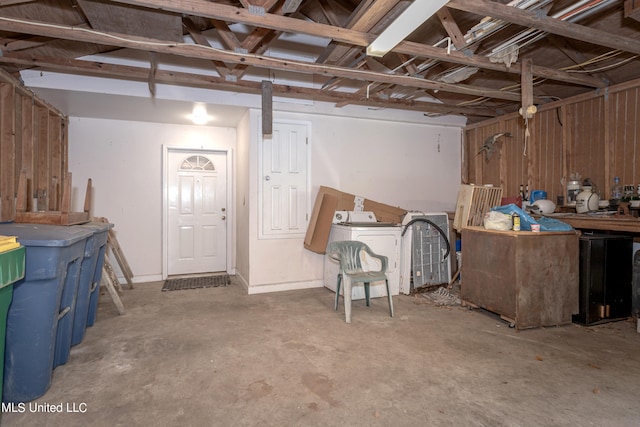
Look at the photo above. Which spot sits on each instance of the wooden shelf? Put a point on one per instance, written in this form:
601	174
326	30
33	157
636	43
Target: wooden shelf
625	223
52	217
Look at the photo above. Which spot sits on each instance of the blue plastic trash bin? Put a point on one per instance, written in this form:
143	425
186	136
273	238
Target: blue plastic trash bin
67	311
95	290
90	274
35	318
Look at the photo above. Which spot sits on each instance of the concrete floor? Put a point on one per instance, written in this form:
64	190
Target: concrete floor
220	357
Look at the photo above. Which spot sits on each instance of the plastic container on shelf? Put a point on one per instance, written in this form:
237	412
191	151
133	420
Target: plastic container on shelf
11	270
616	189
39	321
90	274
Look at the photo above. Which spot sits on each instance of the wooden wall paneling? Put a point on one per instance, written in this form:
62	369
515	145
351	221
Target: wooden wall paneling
595	134
472	146
625	134
56	180
555	182
476	160
609	146
26	142
594	124
17	138
491	168
64	143
504	149
531	155
566	148
41	144
548	171
468	155
511	161
587	156
7	151
630	170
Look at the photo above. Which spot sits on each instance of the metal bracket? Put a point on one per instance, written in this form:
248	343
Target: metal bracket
256	10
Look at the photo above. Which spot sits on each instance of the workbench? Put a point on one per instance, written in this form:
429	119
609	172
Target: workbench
529	279
598	221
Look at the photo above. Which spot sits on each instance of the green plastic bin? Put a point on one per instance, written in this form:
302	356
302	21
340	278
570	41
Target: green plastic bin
11	270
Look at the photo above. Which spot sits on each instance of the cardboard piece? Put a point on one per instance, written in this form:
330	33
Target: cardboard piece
330	200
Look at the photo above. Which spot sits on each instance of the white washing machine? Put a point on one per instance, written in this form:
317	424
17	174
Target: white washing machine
383	240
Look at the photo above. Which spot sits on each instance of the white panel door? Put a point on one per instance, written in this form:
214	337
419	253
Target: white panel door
196	217
285	189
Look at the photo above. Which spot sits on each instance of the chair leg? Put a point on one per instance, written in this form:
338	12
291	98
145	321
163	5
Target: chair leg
390	299
338	291
347	300
367	293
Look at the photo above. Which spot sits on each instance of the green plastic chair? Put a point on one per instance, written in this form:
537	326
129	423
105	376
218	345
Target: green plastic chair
349	254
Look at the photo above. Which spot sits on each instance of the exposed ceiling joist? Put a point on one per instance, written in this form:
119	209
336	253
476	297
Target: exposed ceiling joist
565	44
233	14
545	23
211	82
200	52
452	29
200	39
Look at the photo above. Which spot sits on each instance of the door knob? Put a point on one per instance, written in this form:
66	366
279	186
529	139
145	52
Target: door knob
267	178
224	217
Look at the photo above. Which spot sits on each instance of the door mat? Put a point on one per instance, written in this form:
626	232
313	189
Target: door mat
181	283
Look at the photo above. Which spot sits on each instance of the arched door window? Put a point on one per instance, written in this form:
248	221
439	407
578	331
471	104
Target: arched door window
197	163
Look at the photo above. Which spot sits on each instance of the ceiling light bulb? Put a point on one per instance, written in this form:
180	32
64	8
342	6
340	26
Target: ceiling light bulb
199	115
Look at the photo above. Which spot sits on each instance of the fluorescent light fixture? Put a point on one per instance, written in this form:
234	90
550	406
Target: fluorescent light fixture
199	114
412	17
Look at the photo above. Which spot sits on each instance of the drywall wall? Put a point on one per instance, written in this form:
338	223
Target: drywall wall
413	166
242	212
124	161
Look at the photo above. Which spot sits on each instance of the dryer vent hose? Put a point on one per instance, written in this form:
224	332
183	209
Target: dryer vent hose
444	236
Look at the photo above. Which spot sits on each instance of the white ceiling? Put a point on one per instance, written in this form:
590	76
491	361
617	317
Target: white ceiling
120	107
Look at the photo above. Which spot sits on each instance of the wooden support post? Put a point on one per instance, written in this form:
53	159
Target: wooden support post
41	144
7	148
526	86
267	107
290	6
87	198
65	206
22	196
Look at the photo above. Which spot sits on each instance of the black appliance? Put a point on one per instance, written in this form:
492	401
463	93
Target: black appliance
604	278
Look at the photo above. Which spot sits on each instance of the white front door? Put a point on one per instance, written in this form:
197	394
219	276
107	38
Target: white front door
196	217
